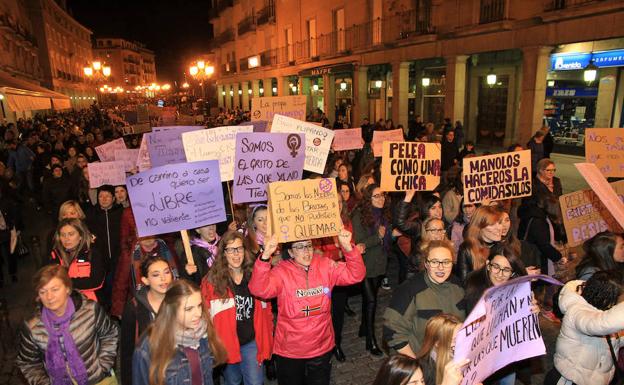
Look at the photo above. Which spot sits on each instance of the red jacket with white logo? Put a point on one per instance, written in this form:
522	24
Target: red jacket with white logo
304	326
223	315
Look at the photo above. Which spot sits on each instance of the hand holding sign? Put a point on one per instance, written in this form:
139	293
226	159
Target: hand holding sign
270	246
453	372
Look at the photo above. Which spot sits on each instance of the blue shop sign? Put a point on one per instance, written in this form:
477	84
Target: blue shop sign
567	62
578	61
572	92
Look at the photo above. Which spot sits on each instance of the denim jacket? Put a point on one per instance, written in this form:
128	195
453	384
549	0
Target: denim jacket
179	370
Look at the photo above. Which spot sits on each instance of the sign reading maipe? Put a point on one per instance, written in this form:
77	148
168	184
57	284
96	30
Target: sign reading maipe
306	209
410	166
497	177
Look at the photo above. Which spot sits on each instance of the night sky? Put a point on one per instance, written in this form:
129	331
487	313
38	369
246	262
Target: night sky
176	30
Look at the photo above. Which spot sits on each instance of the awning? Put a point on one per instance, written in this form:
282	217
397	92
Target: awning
61	104
22	95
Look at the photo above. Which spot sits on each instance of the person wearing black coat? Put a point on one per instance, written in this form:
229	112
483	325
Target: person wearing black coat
56	189
549	142
140	311
407	222
536	227
104	221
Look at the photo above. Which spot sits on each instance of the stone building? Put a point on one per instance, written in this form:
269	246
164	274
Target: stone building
131	63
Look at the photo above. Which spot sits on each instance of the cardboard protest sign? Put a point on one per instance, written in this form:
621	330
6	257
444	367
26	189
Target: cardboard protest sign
348	139
601	187
214	143
143	159
106	151
497	177
410	166
262	158
385	136
264	108
584	214
128	157
165	147
605	148
101	173
176	197
500	330
304	209
318	140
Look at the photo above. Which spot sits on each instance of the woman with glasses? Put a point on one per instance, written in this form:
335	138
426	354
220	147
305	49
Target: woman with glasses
302	283
372	226
427	294
243	322
502	265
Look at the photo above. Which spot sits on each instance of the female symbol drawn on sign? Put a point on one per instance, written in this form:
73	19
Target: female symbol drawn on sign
325	185
284	230
294	143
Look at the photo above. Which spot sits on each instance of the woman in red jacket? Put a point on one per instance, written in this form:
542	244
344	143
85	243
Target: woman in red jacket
243	323
302	283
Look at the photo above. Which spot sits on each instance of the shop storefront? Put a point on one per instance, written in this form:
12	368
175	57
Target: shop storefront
583	91
334	83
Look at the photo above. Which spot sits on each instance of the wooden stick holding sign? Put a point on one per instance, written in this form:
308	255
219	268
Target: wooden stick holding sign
187	248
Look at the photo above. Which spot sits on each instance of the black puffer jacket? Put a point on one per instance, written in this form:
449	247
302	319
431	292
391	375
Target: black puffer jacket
106	226
410	227
94	334
137	316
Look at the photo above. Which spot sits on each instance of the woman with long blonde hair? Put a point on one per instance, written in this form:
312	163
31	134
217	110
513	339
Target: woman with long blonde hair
484	231
438	346
181	345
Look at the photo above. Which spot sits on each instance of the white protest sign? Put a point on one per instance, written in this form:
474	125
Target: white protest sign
215	143
318	140
501	329
101	173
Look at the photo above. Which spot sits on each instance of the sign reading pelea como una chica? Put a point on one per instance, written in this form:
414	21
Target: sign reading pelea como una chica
176	197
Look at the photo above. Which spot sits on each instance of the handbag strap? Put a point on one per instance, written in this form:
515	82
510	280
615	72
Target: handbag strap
618	371
526	231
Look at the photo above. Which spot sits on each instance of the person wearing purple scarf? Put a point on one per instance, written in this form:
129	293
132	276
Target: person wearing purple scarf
204	244
70	340
372	226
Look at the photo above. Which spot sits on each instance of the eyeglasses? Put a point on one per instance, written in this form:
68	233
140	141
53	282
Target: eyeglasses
435	230
379	196
506	271
436	264
234	250
303	246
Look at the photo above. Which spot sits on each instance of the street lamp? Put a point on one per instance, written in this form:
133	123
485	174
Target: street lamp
201	71
491	78
97	71
589	75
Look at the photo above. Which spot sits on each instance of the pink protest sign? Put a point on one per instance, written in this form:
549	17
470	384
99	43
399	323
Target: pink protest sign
128	157
143	159
101	173
106	152
501	329
601	187
348	139
385	136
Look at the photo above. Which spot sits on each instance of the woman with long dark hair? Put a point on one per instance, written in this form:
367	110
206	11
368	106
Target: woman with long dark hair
181	345
372	226
141	310
603	251
72	249
404	370
243	322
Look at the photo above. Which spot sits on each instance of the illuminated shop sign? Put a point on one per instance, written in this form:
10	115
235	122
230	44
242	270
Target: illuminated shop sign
578	61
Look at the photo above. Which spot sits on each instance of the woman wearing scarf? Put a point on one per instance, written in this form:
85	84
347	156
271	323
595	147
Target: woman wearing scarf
204	248
181	345
372	227
69	340
73	250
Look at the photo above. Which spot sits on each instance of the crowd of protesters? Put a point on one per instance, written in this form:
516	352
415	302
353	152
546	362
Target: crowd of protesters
247	306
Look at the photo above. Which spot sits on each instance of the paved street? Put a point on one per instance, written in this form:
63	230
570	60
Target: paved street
360	367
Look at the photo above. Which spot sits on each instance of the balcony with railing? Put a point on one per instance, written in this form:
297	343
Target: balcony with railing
555	5
383	32
246	25
492	10
266	14
220	6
